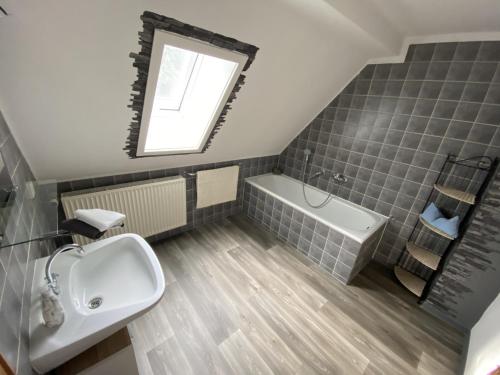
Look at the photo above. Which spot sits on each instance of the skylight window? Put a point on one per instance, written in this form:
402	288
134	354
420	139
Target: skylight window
188	85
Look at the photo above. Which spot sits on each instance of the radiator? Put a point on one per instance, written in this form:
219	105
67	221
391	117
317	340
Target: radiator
151	207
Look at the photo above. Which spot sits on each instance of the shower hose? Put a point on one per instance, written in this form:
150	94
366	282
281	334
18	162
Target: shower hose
322	204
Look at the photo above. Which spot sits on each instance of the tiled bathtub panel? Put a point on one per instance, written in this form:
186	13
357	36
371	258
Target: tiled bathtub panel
339	255
368	251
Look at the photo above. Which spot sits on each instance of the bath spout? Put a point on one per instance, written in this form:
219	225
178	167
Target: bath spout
317	174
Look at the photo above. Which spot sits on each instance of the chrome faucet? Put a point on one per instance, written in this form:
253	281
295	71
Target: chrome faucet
52	277
321	172
339	177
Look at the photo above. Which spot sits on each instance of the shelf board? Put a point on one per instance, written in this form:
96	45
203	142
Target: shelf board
459	195
434	229
411	282
423	255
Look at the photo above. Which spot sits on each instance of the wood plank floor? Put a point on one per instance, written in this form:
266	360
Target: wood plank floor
238	301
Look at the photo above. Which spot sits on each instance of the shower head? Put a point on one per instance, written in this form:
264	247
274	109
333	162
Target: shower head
307	153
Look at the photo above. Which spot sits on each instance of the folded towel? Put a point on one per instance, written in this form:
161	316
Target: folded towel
434	217
431	213
100	219
448	226
52	310
216	186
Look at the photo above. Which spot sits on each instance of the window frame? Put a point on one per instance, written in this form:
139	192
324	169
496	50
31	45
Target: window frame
140	61
161	38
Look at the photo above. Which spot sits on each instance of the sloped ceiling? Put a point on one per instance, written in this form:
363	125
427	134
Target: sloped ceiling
65	74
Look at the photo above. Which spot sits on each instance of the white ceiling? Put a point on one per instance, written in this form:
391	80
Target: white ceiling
65	74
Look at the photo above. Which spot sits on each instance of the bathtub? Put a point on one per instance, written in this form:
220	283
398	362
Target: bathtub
341	236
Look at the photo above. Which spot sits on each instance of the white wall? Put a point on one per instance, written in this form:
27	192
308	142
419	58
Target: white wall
65	77
431	17
65	74
483	354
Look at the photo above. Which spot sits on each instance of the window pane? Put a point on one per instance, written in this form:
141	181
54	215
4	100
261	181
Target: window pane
185	128
175	71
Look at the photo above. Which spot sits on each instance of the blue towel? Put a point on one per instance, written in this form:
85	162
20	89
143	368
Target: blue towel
433	216
448	226
431	213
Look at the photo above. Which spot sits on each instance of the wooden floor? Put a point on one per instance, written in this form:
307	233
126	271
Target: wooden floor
239	301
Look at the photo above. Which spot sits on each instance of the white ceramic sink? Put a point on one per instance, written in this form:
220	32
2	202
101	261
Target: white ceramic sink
122	270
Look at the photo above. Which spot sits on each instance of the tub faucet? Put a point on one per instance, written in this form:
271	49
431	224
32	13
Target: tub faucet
52	277
317	174
338	177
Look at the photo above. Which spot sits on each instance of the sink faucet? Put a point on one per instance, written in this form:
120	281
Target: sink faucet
52	277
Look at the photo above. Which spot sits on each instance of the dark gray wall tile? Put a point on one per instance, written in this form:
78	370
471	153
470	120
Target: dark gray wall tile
16	271
444	51
459	71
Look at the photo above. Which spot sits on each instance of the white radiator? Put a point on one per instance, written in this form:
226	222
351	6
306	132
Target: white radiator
151	207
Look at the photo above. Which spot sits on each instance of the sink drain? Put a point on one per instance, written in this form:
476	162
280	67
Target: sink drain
94	303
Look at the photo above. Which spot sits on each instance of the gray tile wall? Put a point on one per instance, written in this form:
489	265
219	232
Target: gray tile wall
390	129
470	280
457	176
16	266
339	255
195	217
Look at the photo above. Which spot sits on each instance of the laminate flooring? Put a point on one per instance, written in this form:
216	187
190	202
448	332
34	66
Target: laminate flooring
239	301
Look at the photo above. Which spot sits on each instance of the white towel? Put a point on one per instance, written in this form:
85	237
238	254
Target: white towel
52	310
100	219
216	186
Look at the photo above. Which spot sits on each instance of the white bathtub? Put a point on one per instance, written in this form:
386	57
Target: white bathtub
350	219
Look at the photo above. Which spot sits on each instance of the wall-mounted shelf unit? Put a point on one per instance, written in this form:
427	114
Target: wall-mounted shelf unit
436	230
423	255
412	282
473	182
460	195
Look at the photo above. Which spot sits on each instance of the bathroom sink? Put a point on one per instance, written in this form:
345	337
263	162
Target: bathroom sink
117	280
